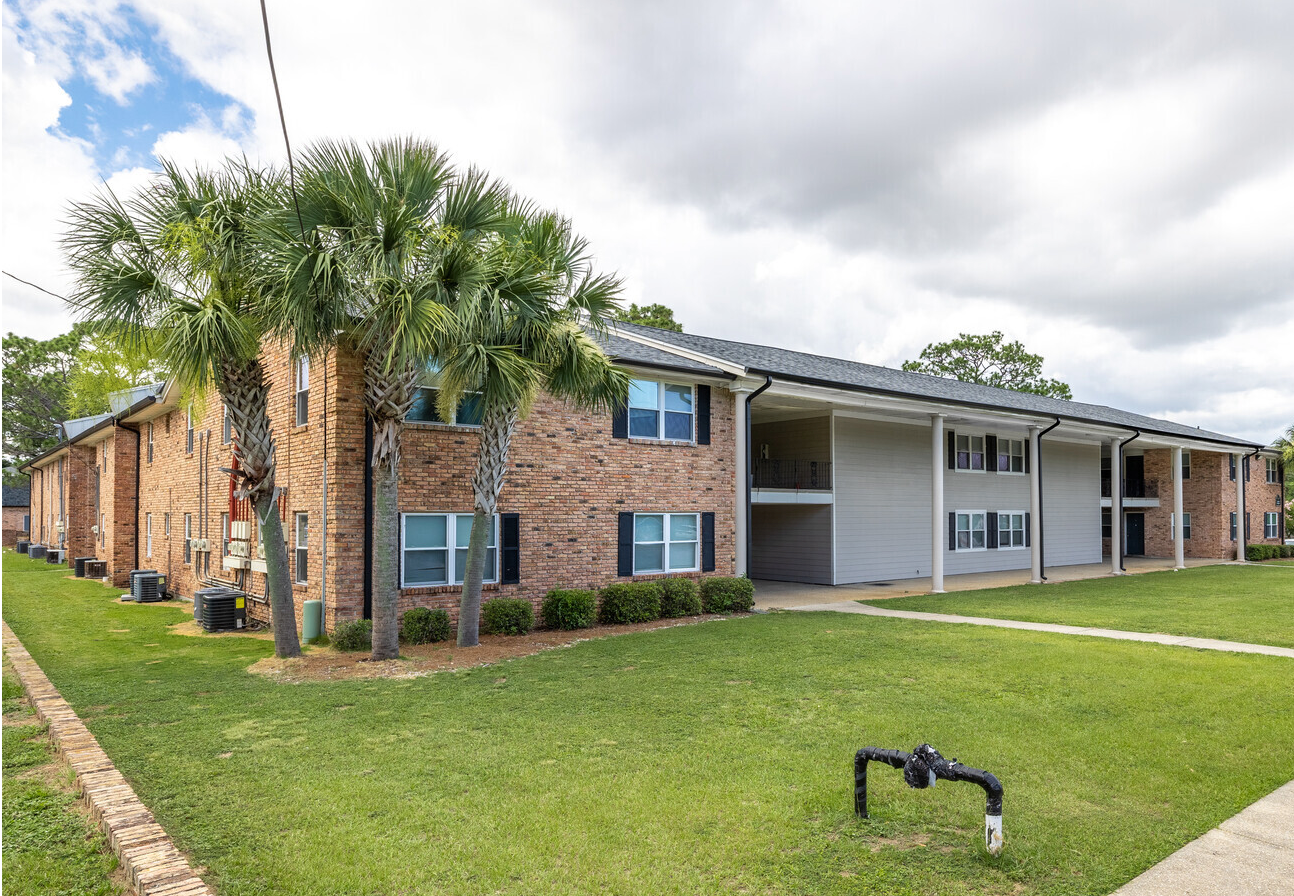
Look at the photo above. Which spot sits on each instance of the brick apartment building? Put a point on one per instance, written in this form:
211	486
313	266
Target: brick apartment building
856	473
17	513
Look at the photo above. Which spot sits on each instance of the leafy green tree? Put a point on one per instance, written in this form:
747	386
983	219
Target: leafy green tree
989	361
659	316
107	364
37	391
172	274
522	332
392	234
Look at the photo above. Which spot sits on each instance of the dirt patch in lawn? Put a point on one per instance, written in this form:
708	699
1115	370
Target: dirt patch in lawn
191	629
329	664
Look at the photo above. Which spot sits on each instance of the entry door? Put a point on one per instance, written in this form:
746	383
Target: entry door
1135	525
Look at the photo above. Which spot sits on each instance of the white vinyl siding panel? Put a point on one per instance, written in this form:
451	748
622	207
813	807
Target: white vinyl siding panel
792	543
1071	494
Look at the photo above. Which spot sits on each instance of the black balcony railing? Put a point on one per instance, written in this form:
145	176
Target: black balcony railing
1132	488
801	474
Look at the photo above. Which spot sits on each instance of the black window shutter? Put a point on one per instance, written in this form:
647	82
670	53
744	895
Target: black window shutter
952	450
1246	469
1247	535
510	524
620	422
1028	445
952	530
703	415
990	454
991	534
1028	530
625	559
707	542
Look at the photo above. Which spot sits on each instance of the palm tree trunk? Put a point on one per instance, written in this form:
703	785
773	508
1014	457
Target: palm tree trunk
386	549
497	426
244	391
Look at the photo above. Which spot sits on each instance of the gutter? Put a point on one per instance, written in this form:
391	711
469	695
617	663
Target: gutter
1123	534
112	420
1042	539
750	476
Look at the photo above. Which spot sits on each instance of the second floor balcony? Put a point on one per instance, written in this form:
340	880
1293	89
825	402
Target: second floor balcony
796	475
1132	488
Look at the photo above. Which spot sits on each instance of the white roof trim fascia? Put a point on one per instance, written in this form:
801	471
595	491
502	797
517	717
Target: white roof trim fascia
725	366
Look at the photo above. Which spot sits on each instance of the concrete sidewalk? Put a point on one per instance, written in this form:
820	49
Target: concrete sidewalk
1115	634
1250	854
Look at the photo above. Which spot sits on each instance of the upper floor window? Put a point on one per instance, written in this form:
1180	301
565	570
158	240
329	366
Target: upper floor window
150	443
1186	465
468	412
666	542
1232	459
1010	455
188	438
970	453
303	390
659	410
434	549
1273	471
226	427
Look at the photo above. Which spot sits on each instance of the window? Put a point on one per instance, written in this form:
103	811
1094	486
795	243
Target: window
303	390
1107	523
26	523
101	529
105	454
428	557
148	535
1010	530
1186	527
150	443
224	535
1273	471
226	427
302	555
660	411
970	528
1186	465
188	437
1233	526
188	538
1010	455
424	410
970	453
1271	524
1232	459
166	525
666	542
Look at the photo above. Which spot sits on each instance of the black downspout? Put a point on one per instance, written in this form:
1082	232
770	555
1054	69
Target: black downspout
1123	533
368	516
138	458
1042	539
750	476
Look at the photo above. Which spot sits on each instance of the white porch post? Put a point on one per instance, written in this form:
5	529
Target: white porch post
1179	521
1035	506
1240	507
742	477
937	523
1116	506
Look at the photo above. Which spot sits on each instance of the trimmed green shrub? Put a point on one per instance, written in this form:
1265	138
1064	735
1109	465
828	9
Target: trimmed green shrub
622	603
357	635
1268	551
422	625
679	597
727	594
507	616
569	609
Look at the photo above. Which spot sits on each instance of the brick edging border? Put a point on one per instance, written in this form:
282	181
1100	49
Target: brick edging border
151	861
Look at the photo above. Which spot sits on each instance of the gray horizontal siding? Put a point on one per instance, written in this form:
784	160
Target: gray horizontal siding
1071	494
792	543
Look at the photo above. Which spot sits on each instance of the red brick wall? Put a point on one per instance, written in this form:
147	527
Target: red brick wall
13	526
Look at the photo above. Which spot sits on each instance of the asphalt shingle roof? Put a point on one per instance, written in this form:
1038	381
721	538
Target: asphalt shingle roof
17	496
630	352
788	364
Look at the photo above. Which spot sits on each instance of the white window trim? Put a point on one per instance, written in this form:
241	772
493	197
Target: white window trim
451	573
298	567
660	412
1008	441
224	534
1024	530
188	431
150	443
666	543
1273	471
302	387
1172	526
148	535
1233	525
970	450
457	424
226	427
188	537
970	516
1271	524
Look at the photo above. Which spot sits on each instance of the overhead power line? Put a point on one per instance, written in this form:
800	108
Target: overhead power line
278	97
34	286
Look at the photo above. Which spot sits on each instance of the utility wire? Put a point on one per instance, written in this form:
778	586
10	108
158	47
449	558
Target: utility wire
34	286
292	178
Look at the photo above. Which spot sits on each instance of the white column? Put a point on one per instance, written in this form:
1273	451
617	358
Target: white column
1179	527
1035	505
1240	507
743	478
938	525
1116	506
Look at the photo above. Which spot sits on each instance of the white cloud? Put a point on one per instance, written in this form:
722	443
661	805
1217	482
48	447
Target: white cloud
119	74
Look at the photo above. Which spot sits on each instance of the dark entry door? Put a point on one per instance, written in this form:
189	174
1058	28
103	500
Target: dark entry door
1136	526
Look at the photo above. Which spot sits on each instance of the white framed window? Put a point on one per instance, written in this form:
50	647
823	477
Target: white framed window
970	453
1233	526
970	528
148	535
1273	471
1010	455
1271	525
660	410
468	412
433	548
1010	530
303	391
667	542
102	528
166	525
224	535
188	436
1172	526
188	538
150	443
226	427
105	454
302	554
1186	465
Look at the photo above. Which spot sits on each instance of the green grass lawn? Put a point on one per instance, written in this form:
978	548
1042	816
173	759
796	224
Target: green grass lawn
701	759
1235	603
50	847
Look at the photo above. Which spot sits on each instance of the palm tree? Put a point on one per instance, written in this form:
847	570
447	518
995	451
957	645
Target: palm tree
173	268
523	331
385	239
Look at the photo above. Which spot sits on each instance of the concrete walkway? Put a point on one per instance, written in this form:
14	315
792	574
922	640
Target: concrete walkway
1250	854
1173	640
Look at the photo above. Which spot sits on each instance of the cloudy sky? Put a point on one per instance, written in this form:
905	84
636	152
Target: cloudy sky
1111	183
